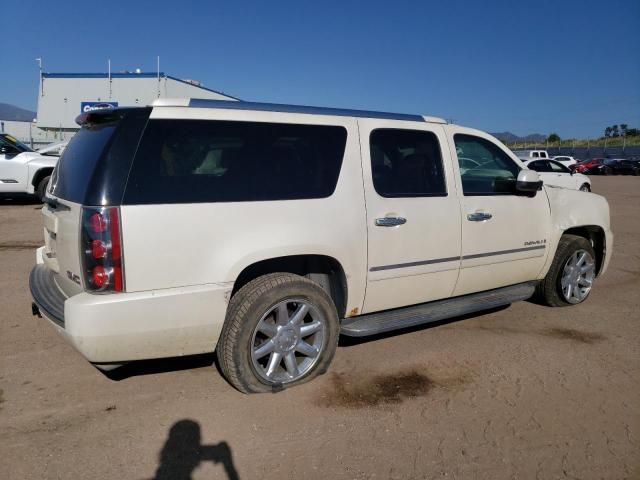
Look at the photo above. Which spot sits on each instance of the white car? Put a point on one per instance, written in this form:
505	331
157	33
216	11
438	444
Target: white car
556	174
531	154
263	232
23	171
566	160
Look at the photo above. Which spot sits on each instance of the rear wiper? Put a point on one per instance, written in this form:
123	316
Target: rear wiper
54	204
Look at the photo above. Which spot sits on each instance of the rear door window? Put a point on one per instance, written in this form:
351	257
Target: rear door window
406	163
192	161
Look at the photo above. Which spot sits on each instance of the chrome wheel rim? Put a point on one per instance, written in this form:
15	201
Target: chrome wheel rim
287	341
577	276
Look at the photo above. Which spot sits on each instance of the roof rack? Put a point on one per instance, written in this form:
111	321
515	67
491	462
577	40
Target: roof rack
276	107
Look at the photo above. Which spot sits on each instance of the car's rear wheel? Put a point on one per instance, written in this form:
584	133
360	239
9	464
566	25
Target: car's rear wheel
281	330
41	191
571	274
585	188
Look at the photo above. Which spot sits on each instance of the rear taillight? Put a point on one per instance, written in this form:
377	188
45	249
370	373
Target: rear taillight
102	249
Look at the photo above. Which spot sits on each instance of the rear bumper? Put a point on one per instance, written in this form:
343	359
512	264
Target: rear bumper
46	296
115	328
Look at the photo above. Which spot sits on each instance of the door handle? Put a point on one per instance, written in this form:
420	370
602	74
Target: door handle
479	216
390	221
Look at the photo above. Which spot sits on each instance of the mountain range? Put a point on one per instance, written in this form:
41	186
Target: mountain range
508	137
16	114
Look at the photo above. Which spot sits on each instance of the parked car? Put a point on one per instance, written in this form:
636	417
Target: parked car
565	160
264	231
23	171
595	166
623	166
529	154
554	173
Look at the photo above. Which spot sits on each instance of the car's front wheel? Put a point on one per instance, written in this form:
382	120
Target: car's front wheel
571	274
281	330
585	188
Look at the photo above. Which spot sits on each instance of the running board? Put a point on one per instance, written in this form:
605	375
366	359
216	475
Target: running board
388	320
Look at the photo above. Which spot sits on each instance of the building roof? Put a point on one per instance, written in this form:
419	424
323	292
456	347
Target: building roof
132	75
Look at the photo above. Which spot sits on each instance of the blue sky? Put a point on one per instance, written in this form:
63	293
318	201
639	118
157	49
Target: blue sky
571	67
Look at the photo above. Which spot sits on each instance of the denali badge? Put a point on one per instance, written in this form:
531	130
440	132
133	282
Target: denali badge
73	277
535	242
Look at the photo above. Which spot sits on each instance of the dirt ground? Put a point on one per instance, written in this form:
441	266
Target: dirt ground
521	392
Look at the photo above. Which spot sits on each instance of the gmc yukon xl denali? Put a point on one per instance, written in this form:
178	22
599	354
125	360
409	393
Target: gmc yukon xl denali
263	232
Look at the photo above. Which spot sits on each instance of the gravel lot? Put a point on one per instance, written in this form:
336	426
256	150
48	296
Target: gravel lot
522	392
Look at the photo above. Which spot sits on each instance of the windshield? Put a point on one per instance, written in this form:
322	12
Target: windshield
13	142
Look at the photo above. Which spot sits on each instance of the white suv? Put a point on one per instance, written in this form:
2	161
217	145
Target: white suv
264	231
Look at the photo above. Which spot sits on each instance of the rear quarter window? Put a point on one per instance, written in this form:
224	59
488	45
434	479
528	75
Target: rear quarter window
196	161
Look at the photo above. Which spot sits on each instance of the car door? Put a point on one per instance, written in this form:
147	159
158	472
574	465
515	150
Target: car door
504	234
562	175
413	215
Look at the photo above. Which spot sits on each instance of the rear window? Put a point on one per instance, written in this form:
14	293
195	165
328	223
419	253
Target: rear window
75	168
193	161
94	166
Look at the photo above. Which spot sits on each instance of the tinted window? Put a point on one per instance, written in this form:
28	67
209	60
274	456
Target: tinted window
75	168
190	161
557	167
94	166
539	166
13	144
496	173
406	163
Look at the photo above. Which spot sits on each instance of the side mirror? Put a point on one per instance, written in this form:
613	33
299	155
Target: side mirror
528	183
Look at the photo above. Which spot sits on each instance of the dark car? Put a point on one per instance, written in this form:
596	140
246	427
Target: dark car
623	166
595	166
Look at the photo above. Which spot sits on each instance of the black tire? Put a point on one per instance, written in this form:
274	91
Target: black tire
42	188
246	309
549	290
585	187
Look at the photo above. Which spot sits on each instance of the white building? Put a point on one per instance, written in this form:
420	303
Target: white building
64	96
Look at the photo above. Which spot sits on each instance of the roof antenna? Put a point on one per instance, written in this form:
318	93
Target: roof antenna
110	81
158	76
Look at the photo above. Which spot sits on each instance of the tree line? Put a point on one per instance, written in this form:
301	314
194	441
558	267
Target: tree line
621	130
614	131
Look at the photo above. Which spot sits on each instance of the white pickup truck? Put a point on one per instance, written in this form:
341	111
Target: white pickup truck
22	170
263	232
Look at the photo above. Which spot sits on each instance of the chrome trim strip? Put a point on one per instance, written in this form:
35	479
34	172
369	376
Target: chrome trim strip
453	259
414	264
503	252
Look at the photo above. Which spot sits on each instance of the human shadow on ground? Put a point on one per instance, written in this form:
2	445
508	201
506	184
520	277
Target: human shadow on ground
183	452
